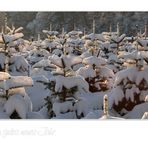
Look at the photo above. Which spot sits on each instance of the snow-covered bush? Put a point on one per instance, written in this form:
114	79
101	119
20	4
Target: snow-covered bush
76	45
130	88
7	41
50	43
64	84
38	92
137	112
99	77
18	64
143	43
16	102
118	40
92	42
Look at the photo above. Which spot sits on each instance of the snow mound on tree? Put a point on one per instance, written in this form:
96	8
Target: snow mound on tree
137	112
18	103
40	72
38	92
86	72
93	37
115	96
85	54
49	44
129	94
94	100
56	60
4	76
36	55
133	55
143	43
143	95
106	72
74	59
75	42
10	38
74	33
43	63
82	107
20	90
16	81
118	39
70	82
114	58
41	79
124	76
57	52
50	32
105	45
112	67
62	107
68	60
92	60
19	64
132	74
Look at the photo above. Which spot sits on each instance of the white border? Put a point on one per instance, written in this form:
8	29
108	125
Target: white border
73	5
73	134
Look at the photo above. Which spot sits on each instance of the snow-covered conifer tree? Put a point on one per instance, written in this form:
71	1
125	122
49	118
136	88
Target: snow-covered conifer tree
131	85
16	102
64	84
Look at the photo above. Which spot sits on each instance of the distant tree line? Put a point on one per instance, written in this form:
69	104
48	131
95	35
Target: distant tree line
35	22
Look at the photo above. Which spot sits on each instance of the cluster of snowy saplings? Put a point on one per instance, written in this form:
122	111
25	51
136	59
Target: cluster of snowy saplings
67	75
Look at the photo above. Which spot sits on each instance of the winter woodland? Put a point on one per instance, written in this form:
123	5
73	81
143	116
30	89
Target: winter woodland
73	75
